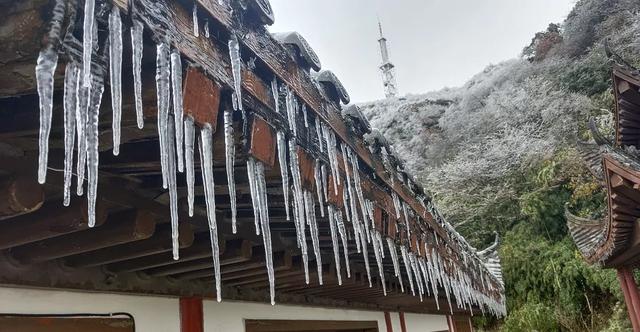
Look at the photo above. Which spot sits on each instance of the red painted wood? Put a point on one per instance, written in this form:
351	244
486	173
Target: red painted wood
451	324
403	325
627	299
191	315
387	320
633	292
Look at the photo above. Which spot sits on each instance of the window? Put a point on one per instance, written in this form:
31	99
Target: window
67	323
310	326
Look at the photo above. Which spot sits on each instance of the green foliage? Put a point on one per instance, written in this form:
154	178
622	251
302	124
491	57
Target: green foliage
589	76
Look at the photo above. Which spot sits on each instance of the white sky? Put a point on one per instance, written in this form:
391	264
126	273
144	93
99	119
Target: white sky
433	43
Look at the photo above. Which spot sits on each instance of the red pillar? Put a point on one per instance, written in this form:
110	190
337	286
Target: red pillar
403	325
191	316
633	291
628	300
387	321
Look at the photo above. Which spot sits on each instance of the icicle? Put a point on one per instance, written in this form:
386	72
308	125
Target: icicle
45	70
317	174
82	108
396	203
92	148
230	157
71	81
406	220
137	47
189	140
253	187
276	95
304	115
394	258
196	29
206	159
334	241
332	154
309	205
282	160
260	192
298	203
176	87
87	40
236	67
351	197
365	255
345	203
407	267
206	29
173	187
318	125
323	172
377	250
163	98
342	230
115	73
358	188
292	106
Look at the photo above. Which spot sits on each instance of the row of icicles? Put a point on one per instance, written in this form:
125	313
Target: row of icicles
83	89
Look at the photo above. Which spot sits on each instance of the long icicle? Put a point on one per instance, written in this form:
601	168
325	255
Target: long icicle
266	231
82	109
253	188
189	141
87	41
173	187
137	29
45	69
71	81
282	160
317	175
377	250
394	258
334	241
163	98
176	88
342	230
298	203
206	158
230	157
92	148
313	229
115	74
236	69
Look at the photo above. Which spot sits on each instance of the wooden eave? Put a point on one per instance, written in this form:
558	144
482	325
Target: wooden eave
47	245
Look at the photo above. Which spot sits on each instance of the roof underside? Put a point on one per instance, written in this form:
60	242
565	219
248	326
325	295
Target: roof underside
130	250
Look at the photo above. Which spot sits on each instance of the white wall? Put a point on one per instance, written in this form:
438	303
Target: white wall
154	314
159	314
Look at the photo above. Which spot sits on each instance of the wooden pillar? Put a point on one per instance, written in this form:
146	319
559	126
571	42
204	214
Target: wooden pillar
627	299
403	325
633	292
191	315
451	323
387	321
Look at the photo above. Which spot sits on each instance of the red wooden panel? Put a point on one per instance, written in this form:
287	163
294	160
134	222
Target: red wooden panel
263	142
306	169
334	199
191	315
201	98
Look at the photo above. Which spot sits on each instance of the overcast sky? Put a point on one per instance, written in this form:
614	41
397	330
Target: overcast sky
433	43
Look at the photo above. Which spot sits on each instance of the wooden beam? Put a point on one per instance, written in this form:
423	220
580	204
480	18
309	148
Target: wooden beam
160	242
50	221
123	228
19	195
